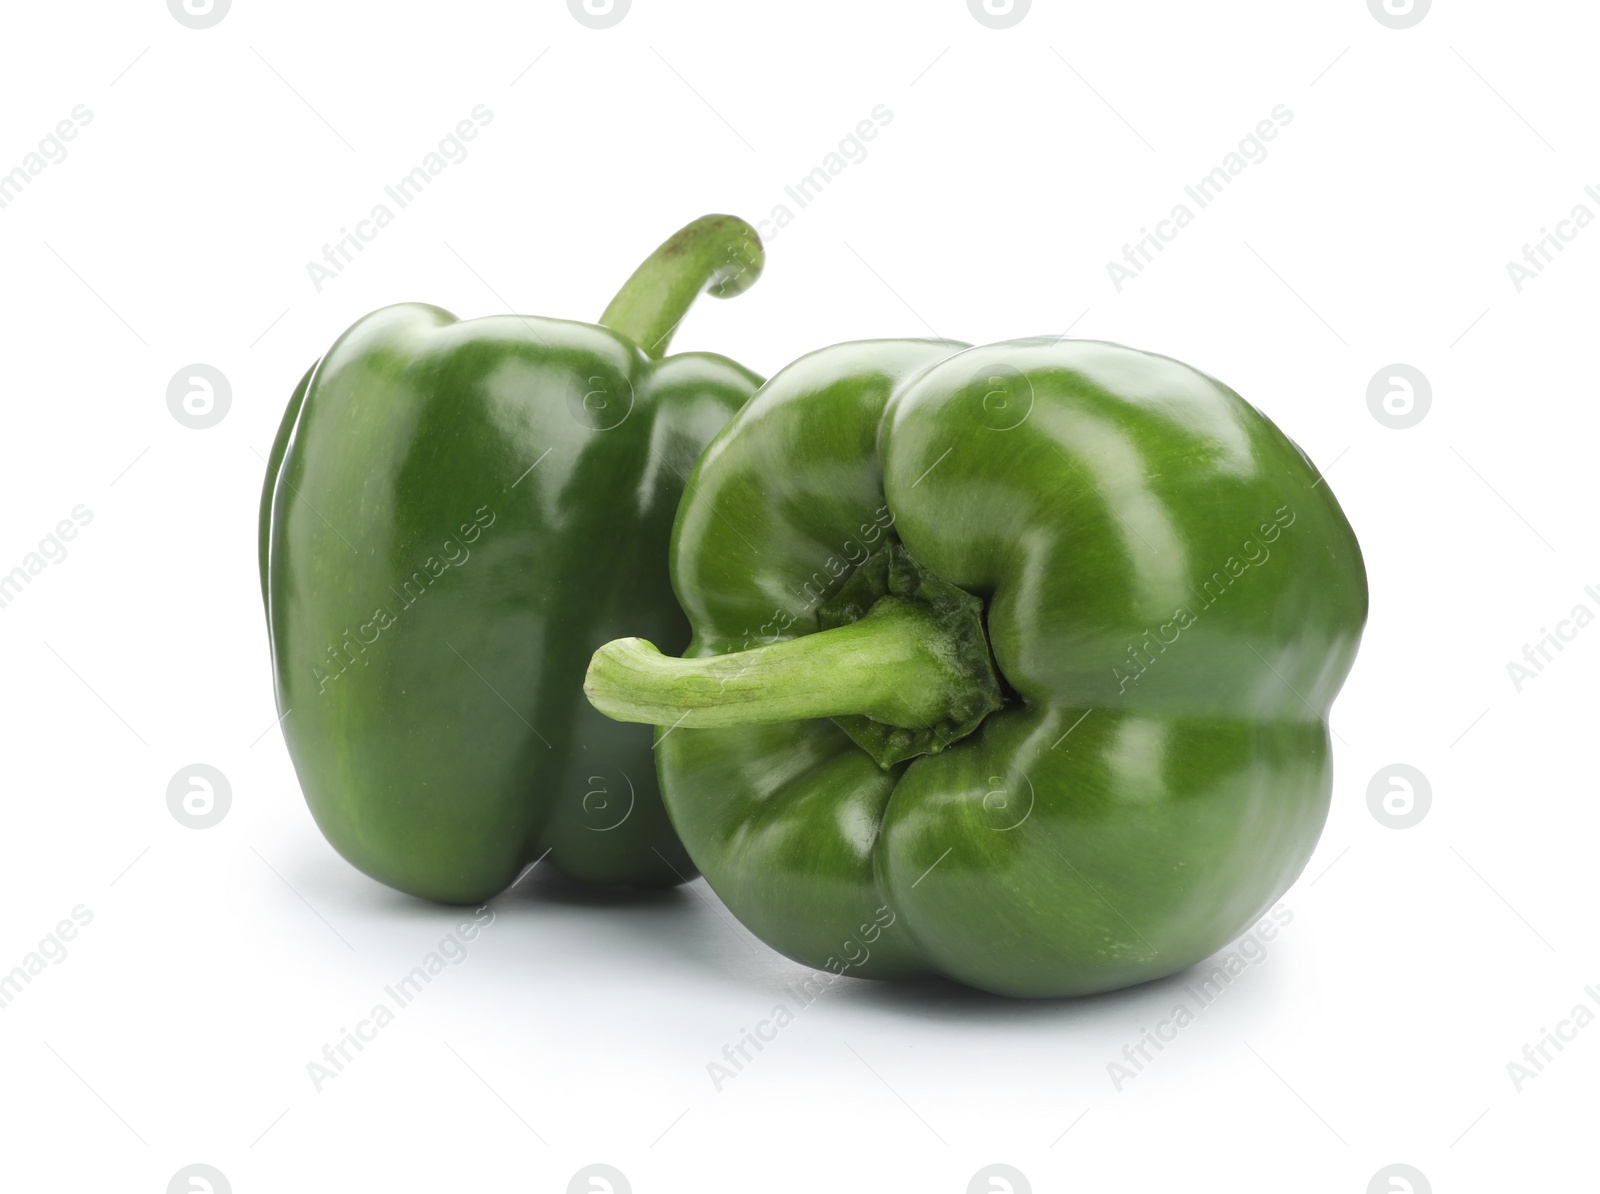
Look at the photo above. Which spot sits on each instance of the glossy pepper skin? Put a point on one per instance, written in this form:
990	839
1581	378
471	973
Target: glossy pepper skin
455	515
1134	769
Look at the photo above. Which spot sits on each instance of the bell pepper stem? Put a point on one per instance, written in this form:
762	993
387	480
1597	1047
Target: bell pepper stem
900	661
721	255
887	666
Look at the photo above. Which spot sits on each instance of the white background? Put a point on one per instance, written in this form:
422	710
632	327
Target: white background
218	963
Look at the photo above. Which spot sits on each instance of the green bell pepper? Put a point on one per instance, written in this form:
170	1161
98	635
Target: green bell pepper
1009	663
455	515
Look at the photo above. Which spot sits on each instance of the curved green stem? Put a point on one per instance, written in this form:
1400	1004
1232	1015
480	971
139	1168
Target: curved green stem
907	673
721	255
886	666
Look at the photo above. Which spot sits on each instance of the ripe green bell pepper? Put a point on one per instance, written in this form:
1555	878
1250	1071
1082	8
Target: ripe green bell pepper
455	515
1009	663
